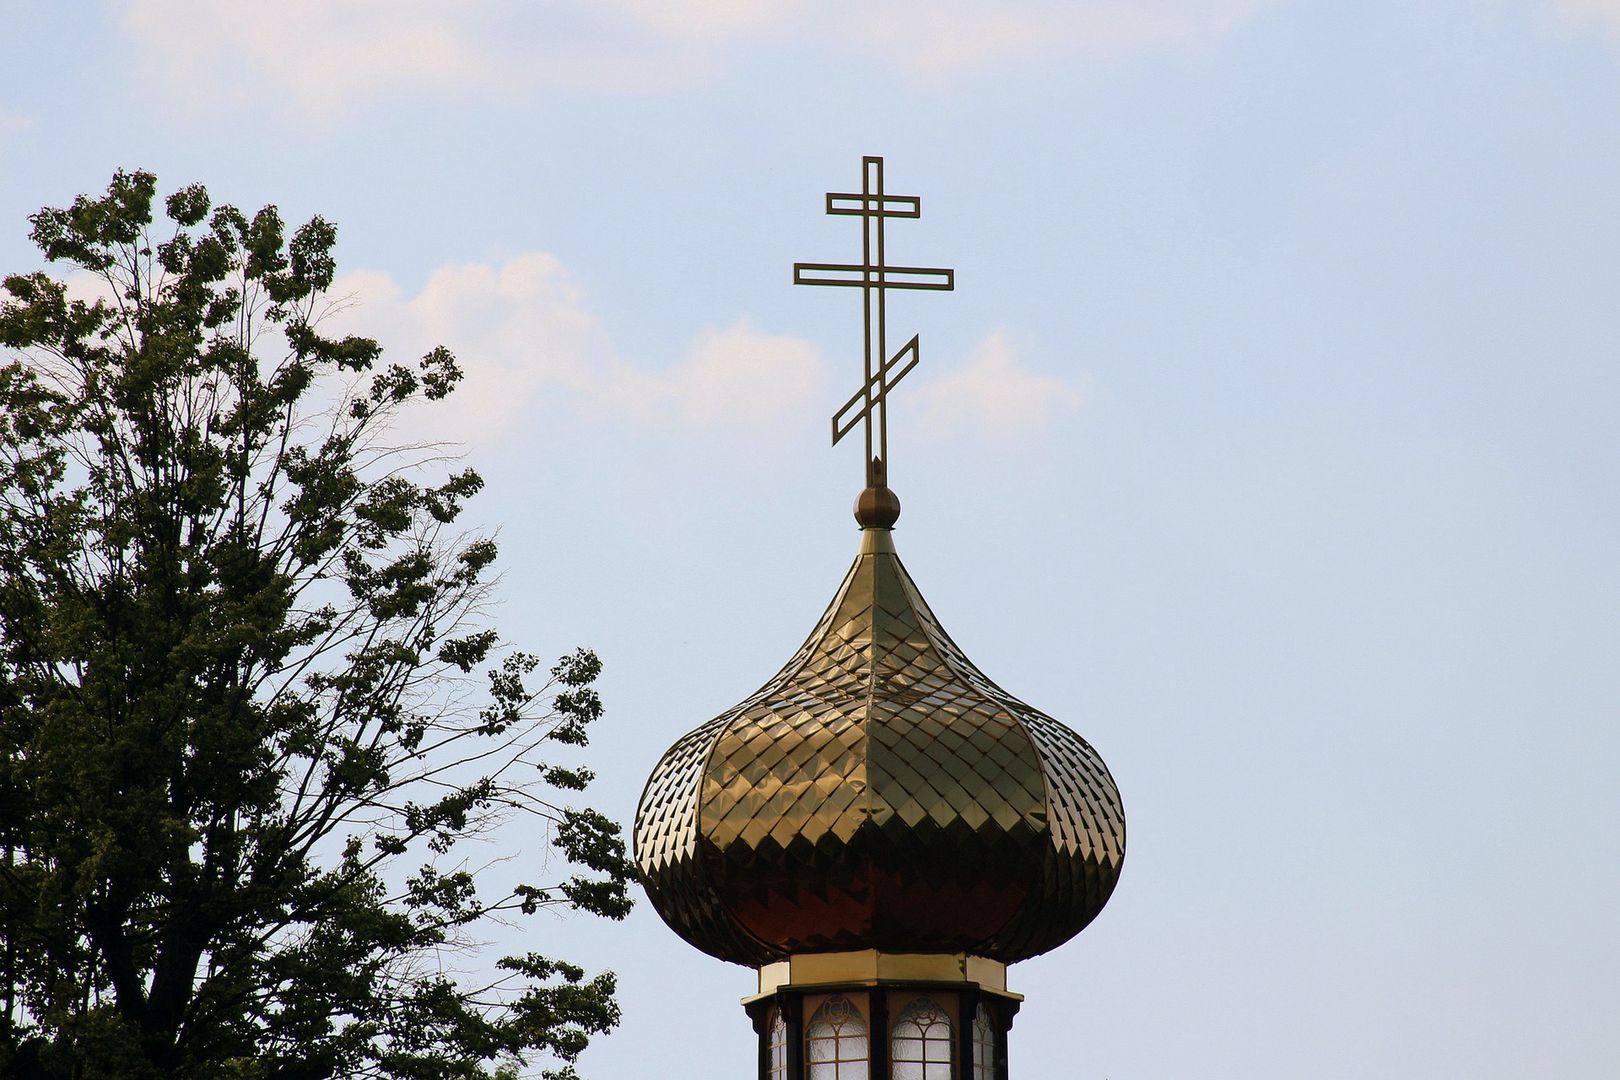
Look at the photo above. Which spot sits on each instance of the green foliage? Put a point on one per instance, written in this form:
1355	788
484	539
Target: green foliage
243	731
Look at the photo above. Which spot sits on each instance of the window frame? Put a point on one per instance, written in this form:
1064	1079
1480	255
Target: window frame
851	1034
935	1036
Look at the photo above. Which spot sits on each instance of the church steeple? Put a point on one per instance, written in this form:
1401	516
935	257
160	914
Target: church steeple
880	829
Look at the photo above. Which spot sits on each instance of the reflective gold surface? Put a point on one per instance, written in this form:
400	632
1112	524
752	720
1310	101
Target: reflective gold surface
879	793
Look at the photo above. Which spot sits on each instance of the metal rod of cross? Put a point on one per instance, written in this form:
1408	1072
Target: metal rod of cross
874	277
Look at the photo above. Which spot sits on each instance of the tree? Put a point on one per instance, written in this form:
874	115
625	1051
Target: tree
252	715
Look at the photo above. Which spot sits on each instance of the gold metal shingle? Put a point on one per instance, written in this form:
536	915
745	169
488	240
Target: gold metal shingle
880	792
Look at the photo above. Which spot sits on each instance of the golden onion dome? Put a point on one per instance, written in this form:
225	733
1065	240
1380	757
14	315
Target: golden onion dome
879	793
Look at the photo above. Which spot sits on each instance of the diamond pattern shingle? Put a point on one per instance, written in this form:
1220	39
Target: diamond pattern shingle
879	792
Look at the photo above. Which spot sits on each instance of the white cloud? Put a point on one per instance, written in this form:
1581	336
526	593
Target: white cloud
701	20
941	39
1605	13
992	396
321	59
13	122
527	342
733	376
515	328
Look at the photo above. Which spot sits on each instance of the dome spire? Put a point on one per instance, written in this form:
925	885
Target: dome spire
880	829
877	507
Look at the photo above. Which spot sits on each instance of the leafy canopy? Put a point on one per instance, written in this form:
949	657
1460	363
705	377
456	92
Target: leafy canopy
250	711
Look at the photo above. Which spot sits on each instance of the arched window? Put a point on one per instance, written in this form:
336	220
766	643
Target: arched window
777	1070
984	1045
835	1042
920	1047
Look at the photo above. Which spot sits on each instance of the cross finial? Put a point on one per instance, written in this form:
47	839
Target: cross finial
874	277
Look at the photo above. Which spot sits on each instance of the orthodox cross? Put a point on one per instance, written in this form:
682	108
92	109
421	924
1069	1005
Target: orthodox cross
874	277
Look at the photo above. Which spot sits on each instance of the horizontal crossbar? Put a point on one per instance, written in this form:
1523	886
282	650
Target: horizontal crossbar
857	276
859	205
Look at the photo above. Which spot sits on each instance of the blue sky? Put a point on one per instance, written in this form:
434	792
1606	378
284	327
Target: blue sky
1268	439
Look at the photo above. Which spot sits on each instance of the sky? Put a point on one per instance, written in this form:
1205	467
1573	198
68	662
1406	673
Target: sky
1267	439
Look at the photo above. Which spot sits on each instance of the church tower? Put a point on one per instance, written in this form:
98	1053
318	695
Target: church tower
879	830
